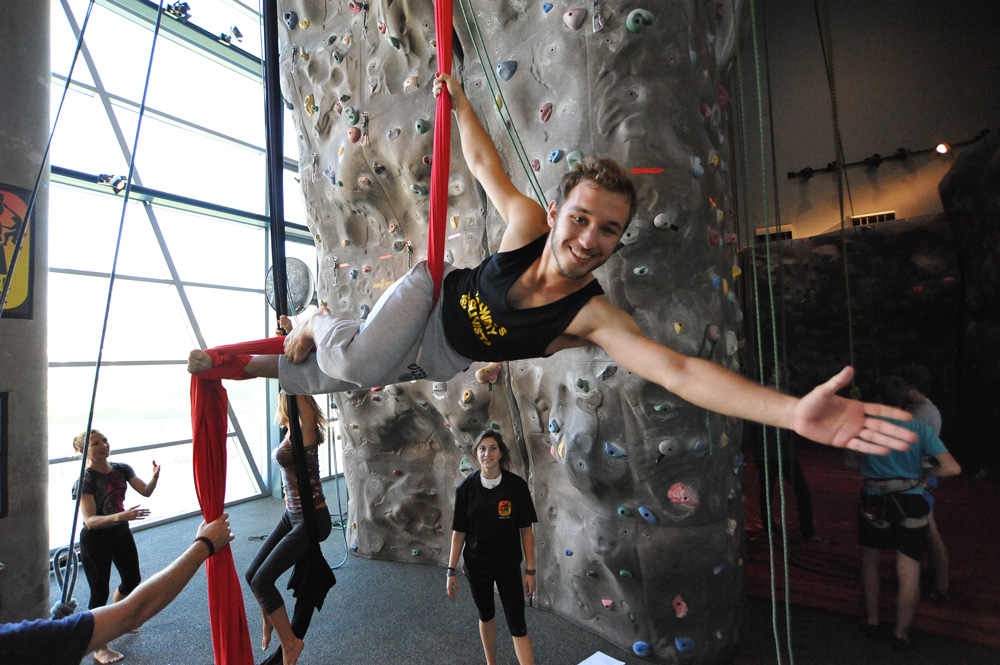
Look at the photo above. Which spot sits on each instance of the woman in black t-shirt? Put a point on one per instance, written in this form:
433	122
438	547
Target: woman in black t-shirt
106	537
492	524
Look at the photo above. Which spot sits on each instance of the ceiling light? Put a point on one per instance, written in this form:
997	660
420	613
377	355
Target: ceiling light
942	148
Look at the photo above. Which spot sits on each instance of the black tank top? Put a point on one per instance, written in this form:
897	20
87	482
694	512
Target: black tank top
479	324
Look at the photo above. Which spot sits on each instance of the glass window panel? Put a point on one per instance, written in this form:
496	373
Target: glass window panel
84	229
187	84
226	317
84	139
294	211
62	40
135	406
290	136
200	167
249	402
145	322
214	252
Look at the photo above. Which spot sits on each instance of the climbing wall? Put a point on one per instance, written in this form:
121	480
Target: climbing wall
638	493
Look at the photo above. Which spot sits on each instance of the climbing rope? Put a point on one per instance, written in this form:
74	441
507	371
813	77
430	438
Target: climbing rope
111	284
826	43
22	230
501	106
767	479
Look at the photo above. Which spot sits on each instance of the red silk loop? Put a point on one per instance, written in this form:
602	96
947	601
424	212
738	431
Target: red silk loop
442	148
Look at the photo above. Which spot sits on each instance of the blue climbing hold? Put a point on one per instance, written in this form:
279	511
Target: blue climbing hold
354	274
555	155
569	552
506	69
718	570
642	648
583	385
394	42
354	548
684	644
291	20
647	514
547	7
613	450
737	463
364	312
555	426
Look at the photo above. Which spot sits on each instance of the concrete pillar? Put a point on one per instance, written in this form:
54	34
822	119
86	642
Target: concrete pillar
24	128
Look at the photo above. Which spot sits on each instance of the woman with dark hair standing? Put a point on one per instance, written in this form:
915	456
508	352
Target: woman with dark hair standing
493	518
106	537
289	540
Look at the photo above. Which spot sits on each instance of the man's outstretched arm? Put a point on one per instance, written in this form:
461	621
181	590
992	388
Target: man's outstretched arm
820	416
525	217
154	594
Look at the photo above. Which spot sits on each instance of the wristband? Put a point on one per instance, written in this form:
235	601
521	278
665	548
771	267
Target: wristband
449	574
450	569
211	547
529	571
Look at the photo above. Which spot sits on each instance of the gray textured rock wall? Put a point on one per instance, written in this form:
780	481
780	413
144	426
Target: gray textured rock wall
638	492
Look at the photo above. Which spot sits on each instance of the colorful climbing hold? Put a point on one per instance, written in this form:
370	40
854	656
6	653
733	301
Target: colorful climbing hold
680	494
392	134
697	170
394	42
454	221
422	126
354	274
555	426
582	385
506	69
291	19
642	648
536	165
547	7
647	514
680	607
718	570
555	155
569	552
352	115
426	160
414	552
465	466
678	328
353	134
310	104
410	84
724	100
397	472
638	19
608	604
562	449
304	24
362	180
684	644
613	450
574	18
624	511
328	172
418	189
641	271
356	6
574	158
624	573
665	221
591	573
545	112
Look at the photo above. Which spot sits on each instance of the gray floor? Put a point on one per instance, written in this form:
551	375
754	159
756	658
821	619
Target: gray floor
386	612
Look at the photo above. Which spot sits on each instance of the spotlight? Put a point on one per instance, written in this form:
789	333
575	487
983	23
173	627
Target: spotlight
179	10
235	32
902	153
119	184
874	161
943	148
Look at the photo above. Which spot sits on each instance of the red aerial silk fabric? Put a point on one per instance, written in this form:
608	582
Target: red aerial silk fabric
230	635
442	148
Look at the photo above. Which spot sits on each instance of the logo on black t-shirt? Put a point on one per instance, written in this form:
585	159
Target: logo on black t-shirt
504	508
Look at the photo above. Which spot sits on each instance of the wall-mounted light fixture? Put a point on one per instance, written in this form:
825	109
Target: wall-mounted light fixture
876	160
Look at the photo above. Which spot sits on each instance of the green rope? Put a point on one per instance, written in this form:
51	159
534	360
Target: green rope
752	267
507	122
774	338
839	148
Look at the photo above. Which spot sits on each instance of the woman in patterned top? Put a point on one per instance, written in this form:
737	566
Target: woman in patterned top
106	537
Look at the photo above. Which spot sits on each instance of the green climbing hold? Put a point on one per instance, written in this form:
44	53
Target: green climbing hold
638	19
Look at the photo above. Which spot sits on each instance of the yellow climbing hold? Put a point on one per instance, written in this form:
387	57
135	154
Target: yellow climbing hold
678	327
725	287
562	449
724	440
310	104
498	102
304	23
737	271
340	151
454	221
467	397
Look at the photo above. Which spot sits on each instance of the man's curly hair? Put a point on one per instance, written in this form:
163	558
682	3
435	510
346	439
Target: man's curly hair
603	172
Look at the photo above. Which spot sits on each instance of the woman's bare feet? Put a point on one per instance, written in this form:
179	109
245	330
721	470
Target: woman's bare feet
268	630
290	654
105	655
199	361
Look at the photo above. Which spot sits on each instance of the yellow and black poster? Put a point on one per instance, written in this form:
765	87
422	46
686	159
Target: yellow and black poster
13	205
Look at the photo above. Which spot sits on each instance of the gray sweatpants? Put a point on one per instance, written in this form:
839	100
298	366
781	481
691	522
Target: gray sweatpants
401	340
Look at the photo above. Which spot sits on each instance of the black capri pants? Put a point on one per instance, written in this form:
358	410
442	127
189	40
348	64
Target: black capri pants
99	548
508	583
287	543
